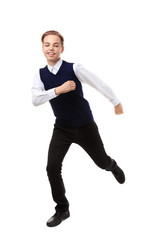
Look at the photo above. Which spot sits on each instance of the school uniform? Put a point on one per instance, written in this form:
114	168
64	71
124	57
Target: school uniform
74	121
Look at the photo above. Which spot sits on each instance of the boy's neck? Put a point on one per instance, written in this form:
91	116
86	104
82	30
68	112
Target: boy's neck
52	64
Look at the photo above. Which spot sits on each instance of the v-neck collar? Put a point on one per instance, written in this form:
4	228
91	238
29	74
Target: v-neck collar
56	67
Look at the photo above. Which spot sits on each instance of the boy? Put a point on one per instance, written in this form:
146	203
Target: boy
60	84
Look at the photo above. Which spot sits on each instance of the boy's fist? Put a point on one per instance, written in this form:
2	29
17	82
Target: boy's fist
65	87
118	109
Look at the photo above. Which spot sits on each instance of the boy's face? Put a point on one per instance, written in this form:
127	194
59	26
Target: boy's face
52	49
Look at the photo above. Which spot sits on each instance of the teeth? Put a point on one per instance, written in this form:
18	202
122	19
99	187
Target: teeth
51	53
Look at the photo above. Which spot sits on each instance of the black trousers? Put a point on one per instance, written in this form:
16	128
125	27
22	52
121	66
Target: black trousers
89	139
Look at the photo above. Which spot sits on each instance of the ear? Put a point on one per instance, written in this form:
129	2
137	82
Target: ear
42	48
62	50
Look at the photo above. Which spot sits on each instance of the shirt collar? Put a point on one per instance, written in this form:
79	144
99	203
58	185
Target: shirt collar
56	67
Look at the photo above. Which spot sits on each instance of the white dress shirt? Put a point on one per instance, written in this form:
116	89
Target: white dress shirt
40	95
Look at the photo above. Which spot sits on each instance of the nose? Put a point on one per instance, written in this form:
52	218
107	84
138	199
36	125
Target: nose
51	47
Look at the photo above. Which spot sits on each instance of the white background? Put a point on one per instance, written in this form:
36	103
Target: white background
119	41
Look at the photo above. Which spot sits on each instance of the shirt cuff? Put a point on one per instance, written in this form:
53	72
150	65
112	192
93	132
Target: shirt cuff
51	93
115	101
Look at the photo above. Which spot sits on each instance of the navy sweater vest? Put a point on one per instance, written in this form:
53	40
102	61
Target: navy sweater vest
71	109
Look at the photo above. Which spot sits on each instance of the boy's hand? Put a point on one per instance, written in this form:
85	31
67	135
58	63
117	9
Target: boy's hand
118	109
65	87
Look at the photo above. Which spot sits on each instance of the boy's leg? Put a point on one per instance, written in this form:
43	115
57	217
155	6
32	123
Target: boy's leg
90	140
58	148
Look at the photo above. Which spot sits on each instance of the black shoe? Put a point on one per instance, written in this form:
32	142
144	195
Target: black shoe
57	218
118	174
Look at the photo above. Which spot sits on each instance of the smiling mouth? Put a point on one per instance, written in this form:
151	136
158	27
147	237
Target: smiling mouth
51	54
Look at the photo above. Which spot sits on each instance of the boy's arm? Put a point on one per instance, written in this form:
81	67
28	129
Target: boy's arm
85	76
39	94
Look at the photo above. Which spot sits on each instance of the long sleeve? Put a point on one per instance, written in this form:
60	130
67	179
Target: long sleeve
91	79
39	94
